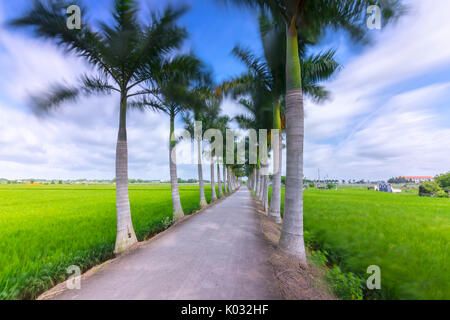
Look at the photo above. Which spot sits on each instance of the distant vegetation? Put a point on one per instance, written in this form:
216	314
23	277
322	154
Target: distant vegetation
440	187
443	180
89	181
399	180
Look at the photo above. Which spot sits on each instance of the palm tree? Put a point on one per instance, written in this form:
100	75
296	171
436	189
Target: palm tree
224	127
266	79
211	118
221	124
257	117
255	82
219	182
307	20
316	68
118	53
205	112
189	126
173	89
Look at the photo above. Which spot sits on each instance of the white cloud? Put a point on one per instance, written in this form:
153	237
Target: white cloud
375	132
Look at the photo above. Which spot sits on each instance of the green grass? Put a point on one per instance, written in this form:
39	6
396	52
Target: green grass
406	235
45	229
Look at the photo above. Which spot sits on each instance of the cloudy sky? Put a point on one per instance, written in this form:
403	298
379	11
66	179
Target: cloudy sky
389	112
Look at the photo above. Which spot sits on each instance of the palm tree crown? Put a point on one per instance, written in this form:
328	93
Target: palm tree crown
121	54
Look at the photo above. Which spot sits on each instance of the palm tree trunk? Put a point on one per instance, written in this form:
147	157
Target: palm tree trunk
266	194
275	199
203	202
253	179
291	239
264	184
224	171
232	181
213	183
258	181
229	179
125	236
218	181
177	210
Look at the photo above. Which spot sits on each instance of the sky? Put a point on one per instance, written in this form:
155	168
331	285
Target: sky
388	113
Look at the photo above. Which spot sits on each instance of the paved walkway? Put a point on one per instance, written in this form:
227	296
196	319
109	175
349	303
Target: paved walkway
219	253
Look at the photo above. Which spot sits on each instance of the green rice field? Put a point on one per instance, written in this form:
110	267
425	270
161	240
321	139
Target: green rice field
45	229
407	236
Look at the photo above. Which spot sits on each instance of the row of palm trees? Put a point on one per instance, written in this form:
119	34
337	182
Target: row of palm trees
143	64
289	29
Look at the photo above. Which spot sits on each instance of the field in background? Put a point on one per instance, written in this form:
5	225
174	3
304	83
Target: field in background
45	229
407	236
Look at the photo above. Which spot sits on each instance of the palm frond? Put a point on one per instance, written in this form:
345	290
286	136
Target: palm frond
254	64
56	95
319	67
96	85
146	103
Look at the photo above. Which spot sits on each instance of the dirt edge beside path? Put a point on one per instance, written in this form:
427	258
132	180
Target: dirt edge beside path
294	281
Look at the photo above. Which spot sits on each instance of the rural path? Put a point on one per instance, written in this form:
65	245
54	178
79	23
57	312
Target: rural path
219	253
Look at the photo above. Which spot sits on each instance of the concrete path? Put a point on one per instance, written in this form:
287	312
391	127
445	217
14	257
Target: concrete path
219	253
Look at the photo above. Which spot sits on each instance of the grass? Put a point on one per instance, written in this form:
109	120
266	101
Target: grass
407	236
45	229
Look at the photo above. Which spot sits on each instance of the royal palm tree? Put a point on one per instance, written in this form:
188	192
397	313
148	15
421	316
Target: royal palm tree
173	90
224	128
316	69
117	52
221	124
266	79
202	112
253	82
190	127
257	116
212	119
308	20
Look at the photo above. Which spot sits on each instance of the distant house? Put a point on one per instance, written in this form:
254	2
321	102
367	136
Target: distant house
386	187
418	179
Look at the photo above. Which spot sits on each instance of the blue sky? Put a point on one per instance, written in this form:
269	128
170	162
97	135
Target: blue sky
388	114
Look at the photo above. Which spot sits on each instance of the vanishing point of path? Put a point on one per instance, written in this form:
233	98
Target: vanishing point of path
219	253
